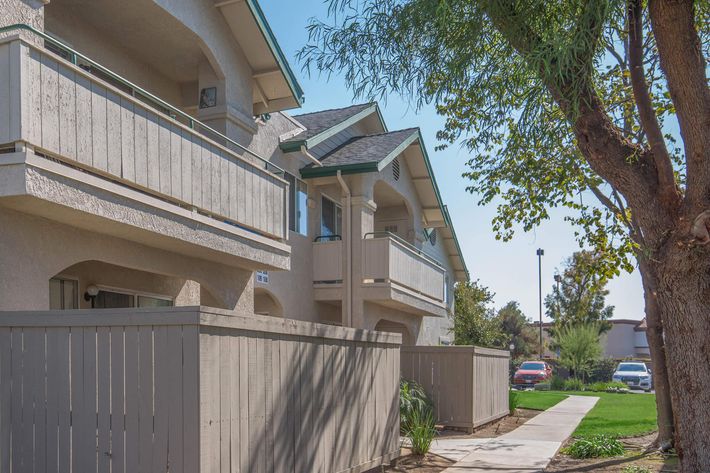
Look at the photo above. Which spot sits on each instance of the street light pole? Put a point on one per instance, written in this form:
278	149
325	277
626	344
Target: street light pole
540	253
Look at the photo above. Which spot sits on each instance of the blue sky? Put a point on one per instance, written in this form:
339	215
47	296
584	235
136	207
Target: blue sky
508	269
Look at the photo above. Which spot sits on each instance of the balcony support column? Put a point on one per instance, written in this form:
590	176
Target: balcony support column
363	221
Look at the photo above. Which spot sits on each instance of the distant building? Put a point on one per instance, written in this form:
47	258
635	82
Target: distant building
625	339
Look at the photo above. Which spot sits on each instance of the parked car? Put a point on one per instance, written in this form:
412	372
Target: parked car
634	374
530	373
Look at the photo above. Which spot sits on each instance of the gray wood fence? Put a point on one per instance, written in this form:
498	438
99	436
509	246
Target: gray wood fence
468	385
193	390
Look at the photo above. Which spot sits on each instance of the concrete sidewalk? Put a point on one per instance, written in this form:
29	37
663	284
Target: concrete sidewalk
527	449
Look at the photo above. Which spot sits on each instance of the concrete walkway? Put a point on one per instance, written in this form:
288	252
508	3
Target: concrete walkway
527	449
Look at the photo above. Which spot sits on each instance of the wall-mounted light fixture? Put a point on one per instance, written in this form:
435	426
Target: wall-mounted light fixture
90	295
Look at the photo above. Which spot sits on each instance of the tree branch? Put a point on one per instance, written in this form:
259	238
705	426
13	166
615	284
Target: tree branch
647	115
682	61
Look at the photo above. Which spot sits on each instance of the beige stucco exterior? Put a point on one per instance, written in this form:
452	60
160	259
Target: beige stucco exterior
100	185
316	287
109	178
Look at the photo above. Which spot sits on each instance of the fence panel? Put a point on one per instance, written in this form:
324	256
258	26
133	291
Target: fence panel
468	385
193	390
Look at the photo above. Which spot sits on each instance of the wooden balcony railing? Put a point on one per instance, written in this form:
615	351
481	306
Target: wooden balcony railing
388	258
71	109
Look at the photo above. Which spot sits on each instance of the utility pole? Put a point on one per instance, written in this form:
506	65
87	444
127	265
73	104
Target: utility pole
540	253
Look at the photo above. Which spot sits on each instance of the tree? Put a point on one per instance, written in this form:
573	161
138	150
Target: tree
579	348
515	329
474	321
561	101
580	296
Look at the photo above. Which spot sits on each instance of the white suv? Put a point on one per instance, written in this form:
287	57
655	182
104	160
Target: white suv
634	374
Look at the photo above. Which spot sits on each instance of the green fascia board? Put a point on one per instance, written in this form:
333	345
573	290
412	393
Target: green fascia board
359	168
276	50
450	224
295	145
444	208
399	149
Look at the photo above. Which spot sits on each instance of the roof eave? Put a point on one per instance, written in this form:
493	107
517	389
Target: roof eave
278	54
313	172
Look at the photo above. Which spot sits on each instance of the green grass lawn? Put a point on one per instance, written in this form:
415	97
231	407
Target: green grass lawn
539	400
620	415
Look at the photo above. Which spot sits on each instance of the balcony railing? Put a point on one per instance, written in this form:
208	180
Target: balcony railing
328	259
72	109
389	258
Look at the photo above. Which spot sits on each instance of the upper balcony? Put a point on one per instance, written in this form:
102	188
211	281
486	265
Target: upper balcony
84	146
395	273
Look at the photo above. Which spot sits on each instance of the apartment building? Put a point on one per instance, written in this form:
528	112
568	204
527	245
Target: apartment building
372	243
126	173
138	197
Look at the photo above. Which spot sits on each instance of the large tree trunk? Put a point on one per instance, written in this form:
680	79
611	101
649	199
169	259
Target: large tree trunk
654	335
684	300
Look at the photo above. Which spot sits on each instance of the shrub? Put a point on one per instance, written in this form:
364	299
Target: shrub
420	430
412	398
573	384
594	447
513	401
606	387
542	387
557	383
602	370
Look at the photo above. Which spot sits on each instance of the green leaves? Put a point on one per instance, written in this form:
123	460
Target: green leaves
579	347
507	77
580	296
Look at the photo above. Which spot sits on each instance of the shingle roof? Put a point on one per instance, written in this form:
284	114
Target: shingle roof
366	149
318	122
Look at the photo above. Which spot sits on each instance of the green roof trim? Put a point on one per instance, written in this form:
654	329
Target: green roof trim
399	149
295	145
450	224
276	50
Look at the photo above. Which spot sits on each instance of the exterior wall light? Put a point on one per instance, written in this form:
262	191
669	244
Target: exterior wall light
90	295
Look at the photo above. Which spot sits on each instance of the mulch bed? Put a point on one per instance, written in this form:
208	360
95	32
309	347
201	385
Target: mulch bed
638	454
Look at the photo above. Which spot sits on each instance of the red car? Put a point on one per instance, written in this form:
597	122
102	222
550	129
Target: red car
532	372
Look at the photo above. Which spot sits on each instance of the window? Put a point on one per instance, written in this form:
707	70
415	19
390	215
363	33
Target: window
392	229
430	235
331	218
262	277
117	299
63	294
297	205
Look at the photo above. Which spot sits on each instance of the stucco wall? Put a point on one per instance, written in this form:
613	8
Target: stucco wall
90	41
619	341
294	289
183	292
34	249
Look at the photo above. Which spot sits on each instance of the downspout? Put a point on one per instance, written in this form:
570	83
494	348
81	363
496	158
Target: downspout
307	154
348	253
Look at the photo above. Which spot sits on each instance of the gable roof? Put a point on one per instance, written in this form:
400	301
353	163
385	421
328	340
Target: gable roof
372	153
369	153
319	126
